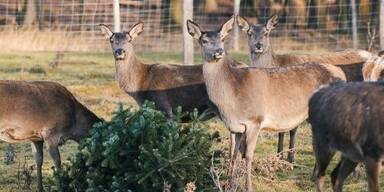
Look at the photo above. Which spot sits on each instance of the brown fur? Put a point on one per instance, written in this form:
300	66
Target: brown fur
261	52
42	111
276	97
373	68
337	58
349	61
168	86
252	99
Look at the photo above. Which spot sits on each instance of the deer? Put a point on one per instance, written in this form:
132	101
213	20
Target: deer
261	55
167	85
373	68
347	117
250	100
42	112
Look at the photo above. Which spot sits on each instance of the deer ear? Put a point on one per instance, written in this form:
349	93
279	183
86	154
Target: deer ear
193	29
226	28
136	30
106	31
242	23
272	22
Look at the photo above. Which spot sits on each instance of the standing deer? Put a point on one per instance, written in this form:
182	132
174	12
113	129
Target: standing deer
261	55
42	111
168	86
348	117
250	100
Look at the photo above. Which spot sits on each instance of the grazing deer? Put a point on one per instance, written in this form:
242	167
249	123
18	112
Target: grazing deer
261	55
42	111
253	99
373	69
347	117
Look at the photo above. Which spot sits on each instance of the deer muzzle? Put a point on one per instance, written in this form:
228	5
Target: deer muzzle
119	54
218	54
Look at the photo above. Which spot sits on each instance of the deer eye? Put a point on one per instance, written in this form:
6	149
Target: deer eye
203	41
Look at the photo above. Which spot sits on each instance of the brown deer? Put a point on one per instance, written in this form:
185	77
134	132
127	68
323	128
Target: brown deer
42	111
261	55
168	86
250	100
348	117
373	69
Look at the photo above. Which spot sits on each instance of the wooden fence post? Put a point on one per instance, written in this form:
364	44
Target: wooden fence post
236	9
116	16
381	31
354	25
187	39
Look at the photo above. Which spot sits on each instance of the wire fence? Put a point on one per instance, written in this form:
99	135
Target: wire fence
72	25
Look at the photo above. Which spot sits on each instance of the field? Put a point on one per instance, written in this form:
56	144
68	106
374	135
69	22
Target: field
90	76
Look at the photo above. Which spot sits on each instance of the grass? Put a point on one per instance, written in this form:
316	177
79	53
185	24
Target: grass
90	76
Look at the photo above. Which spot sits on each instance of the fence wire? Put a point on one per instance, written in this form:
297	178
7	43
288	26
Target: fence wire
72	25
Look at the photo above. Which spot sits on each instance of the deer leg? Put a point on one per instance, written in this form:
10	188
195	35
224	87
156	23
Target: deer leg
372	167
341	172
37	149
280	144
251	139
323	156
55	155
292	138
235	146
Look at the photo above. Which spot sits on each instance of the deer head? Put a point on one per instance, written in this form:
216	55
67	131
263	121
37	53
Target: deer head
258	35
121	42
211	42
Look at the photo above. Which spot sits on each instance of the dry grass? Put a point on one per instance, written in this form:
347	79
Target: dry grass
48	40
31	39
264	169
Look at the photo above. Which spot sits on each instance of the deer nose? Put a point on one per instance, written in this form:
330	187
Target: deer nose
258	45
119	51
219	53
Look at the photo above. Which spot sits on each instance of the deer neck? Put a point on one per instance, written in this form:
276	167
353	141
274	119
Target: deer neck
264	60
85	119
217	77
130	73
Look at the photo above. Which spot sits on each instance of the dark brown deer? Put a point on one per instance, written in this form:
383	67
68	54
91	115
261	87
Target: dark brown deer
348	117
261	55
42	111
250	100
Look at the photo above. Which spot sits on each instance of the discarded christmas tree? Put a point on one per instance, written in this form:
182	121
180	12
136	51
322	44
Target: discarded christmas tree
139	151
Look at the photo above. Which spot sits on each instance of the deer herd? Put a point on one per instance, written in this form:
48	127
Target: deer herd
275	93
